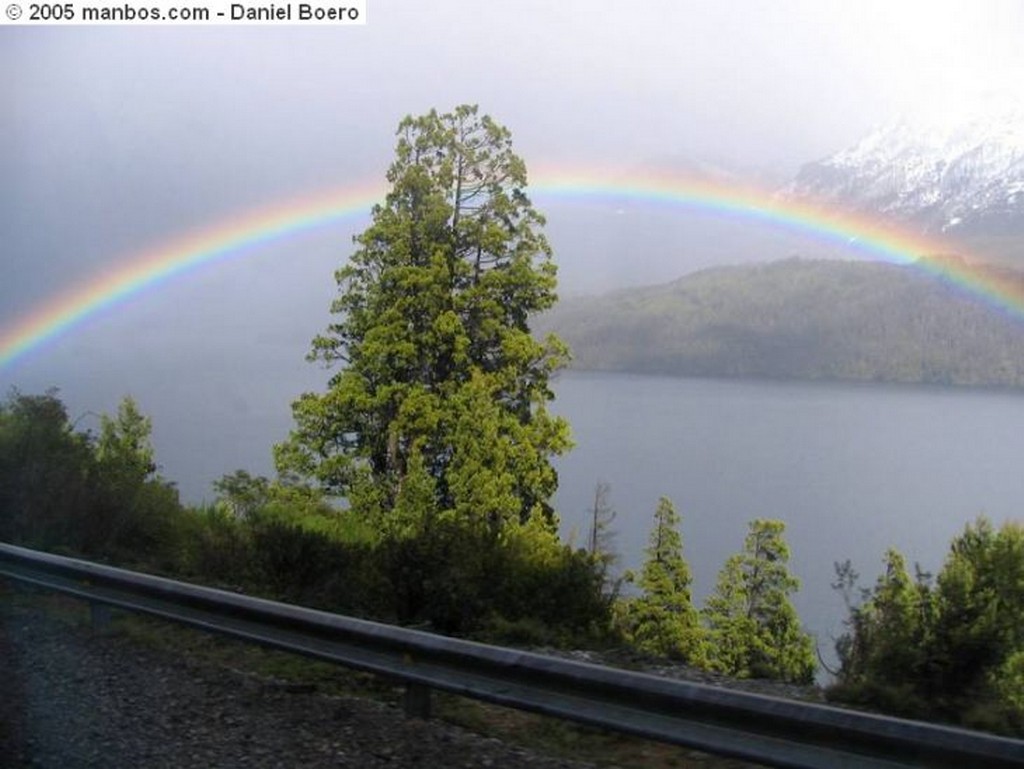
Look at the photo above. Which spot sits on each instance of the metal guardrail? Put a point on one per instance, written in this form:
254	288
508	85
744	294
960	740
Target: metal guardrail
763	729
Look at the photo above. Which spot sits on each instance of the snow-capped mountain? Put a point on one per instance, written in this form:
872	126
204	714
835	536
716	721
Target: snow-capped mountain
962	176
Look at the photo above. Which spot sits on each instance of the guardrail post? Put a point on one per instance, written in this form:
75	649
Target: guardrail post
99	613
417	701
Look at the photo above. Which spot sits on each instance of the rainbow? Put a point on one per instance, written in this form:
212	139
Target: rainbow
243	233
179	256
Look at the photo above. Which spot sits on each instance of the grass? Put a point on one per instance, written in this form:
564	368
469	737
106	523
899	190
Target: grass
541	734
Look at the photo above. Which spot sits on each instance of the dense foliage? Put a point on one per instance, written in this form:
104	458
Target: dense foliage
800	319
439	411
952	649
99	496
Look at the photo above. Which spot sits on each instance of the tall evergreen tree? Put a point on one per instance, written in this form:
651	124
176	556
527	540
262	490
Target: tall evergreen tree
663	620
441	377
754	628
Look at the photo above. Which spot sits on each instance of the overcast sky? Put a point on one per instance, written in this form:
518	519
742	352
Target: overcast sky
118	139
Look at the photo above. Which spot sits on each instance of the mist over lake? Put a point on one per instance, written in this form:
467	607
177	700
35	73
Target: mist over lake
851	469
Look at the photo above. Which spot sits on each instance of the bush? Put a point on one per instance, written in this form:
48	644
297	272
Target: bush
48	481
216	547
953	651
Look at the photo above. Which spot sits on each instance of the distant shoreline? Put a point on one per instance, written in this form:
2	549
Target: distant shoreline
1016	390
799	320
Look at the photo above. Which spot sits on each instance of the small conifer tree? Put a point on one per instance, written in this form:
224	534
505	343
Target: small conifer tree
663	620
754	630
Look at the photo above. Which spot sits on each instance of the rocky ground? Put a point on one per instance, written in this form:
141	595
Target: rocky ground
633	661
75	698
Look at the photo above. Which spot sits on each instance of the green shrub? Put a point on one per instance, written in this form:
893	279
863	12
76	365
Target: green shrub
953	651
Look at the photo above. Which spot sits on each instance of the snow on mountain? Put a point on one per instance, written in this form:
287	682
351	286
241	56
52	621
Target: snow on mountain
963	176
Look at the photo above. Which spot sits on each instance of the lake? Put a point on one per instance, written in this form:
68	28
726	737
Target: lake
851	469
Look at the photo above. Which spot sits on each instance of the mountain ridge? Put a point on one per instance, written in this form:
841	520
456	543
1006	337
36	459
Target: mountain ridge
956	176
798	319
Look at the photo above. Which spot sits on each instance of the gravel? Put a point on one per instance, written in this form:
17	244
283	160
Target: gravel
71	698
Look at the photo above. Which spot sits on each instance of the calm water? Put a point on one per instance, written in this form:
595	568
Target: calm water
851	470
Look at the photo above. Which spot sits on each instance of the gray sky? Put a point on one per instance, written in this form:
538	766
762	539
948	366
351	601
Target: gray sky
118	139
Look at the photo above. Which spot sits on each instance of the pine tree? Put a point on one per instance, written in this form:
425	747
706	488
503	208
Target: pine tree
441	377
753	627
663	620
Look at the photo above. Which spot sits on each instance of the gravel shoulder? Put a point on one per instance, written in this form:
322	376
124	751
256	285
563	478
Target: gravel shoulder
75	698
72	699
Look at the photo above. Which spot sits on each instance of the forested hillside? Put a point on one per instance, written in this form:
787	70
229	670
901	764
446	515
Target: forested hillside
801	319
